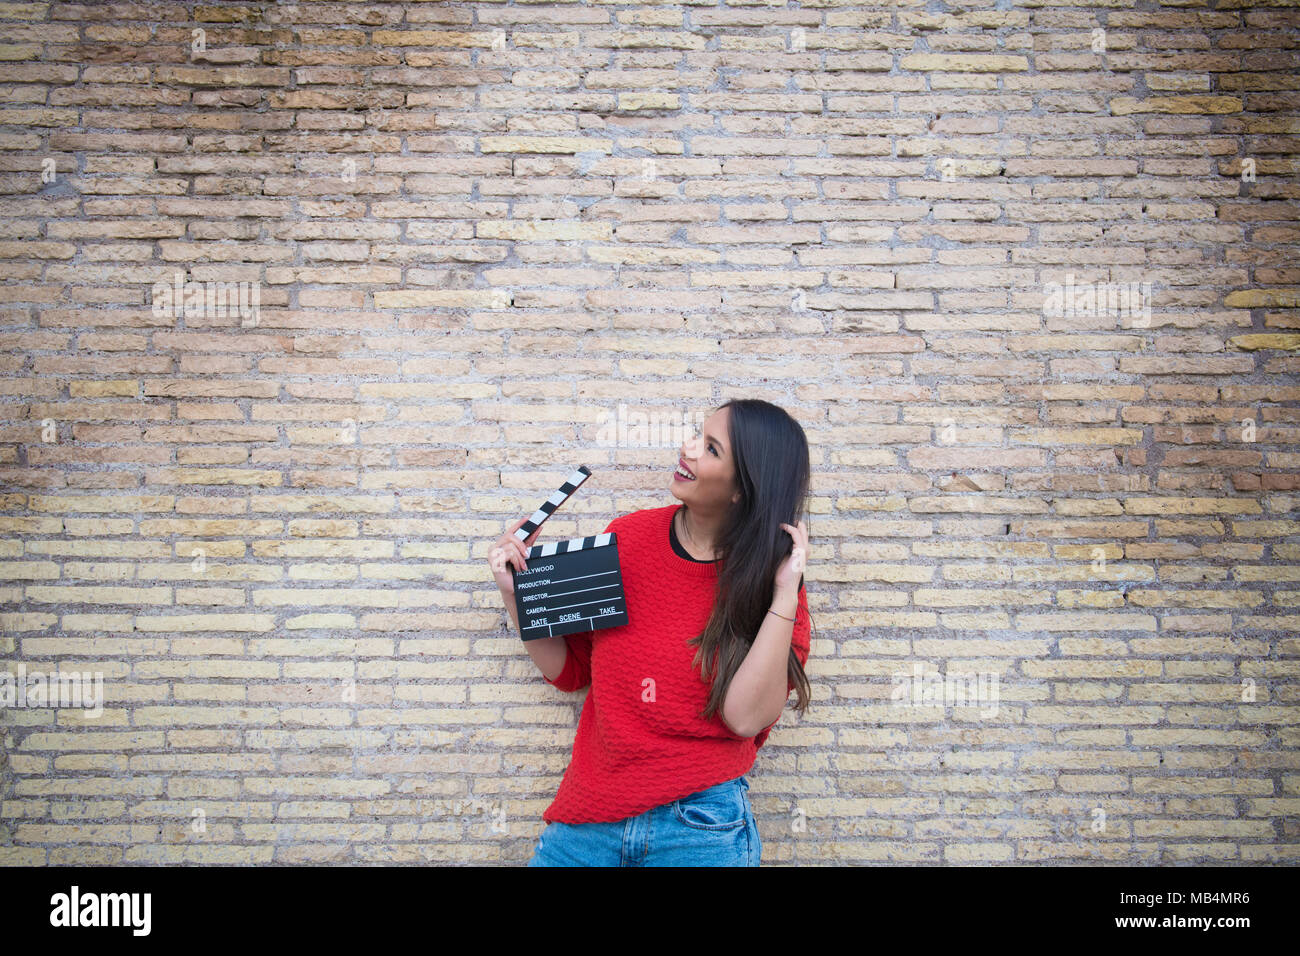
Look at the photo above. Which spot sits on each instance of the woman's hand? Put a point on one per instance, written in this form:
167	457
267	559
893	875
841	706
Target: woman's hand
790	570
508	551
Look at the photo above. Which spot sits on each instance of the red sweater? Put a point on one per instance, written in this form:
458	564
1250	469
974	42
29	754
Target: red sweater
631	754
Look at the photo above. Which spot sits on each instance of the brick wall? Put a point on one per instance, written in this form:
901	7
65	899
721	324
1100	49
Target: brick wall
1026	275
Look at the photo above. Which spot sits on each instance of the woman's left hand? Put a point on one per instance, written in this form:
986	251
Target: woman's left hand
791	569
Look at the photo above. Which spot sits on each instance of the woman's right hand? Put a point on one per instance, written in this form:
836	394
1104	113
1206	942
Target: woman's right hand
508	551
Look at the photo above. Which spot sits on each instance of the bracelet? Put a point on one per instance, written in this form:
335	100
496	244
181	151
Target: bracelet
782	616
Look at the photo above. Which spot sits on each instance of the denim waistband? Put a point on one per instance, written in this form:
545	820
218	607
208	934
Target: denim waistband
741	781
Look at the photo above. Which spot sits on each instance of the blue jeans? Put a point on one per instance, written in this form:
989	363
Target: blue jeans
712	827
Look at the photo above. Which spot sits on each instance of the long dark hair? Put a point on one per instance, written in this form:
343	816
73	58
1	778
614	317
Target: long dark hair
770	451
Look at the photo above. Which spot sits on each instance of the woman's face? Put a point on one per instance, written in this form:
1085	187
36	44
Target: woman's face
708	457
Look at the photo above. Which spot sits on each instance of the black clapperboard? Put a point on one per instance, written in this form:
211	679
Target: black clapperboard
570	586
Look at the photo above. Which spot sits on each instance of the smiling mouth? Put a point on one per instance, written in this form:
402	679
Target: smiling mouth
683	473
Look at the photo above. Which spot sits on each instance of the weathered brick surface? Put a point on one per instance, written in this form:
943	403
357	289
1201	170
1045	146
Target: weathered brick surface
476	230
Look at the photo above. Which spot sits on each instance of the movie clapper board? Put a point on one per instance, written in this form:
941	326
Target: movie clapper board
570	586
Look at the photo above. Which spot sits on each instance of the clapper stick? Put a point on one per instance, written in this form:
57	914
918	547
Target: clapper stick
562	494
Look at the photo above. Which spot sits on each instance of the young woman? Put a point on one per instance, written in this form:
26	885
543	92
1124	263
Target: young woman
684	694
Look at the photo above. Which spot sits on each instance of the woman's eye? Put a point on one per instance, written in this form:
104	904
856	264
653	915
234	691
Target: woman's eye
712	449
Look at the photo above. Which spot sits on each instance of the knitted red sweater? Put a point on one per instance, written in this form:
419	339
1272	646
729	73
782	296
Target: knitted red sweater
640	742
